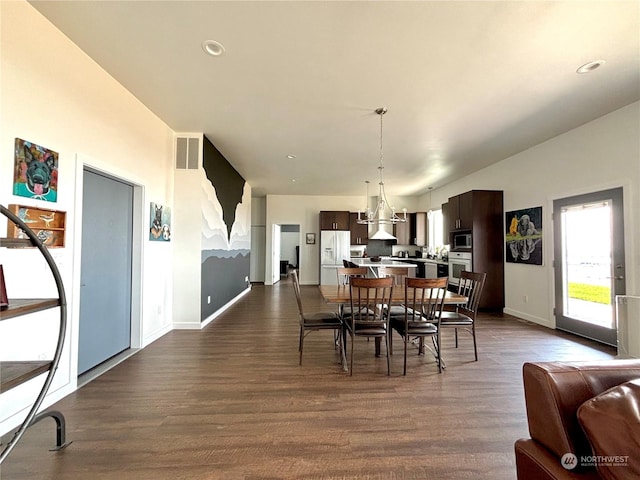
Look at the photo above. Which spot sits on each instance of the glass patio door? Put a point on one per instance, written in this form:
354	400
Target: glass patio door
589	263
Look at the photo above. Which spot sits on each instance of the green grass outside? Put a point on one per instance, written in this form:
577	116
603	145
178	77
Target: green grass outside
590	293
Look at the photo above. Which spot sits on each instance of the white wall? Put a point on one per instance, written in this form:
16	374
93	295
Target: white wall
601	154
187	270
53	94
258	239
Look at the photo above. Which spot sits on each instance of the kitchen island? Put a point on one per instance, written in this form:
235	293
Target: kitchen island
384	262
331	278
428	267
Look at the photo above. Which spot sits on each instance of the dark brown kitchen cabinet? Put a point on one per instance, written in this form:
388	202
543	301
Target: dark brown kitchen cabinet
421	229
460	212
413	231
480	213
334	220
359	231
445	224
405	232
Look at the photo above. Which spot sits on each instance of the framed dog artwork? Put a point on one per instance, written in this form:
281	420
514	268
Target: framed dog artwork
35	172
160	223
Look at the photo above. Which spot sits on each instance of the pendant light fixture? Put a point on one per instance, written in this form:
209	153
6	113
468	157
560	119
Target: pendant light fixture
384	214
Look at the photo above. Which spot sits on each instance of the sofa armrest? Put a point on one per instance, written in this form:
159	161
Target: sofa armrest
534	462
555	390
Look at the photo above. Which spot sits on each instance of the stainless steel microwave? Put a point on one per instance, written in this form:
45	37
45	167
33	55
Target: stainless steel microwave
461	241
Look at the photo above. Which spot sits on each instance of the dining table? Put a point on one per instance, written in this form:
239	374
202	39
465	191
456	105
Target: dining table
341	295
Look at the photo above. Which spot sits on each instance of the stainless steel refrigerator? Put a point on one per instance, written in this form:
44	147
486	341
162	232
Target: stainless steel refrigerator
335	246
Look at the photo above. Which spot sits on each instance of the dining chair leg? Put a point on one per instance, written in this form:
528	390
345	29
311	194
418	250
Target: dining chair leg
405	338
386	341
439	352
473	332
351	362
390	335
456	334
301	344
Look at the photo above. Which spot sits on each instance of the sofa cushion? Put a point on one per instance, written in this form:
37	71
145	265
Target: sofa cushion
611	422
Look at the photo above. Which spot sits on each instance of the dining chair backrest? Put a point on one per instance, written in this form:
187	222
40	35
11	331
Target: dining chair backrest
399	274
424	298
344	274
471	286
296	288
370	298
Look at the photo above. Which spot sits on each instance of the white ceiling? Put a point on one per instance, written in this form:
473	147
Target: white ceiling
467	84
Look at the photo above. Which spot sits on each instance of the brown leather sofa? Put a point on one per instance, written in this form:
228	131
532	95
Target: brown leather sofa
566	399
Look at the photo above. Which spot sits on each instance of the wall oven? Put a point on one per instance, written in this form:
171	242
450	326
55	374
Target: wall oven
459	262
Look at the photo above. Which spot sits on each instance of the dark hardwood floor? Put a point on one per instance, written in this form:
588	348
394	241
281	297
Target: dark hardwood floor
230	402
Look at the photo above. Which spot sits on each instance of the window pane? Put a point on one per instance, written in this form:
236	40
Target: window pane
435	228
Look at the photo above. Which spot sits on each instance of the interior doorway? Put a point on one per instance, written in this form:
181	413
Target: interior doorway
589	263
289	248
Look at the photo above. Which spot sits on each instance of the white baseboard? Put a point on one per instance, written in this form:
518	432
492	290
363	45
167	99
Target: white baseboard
219	312
531	318
157	334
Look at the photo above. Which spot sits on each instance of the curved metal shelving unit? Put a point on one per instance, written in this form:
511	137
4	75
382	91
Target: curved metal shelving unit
15	373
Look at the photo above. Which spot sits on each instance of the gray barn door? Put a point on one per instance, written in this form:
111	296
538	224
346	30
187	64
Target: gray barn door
105	293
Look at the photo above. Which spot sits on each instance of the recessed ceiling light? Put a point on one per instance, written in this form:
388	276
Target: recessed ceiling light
213	48
293	180
591	66
290	157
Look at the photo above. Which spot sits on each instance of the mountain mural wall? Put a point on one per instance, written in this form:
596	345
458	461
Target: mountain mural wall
226	231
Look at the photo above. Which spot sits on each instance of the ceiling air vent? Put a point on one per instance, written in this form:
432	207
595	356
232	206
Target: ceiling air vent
187	149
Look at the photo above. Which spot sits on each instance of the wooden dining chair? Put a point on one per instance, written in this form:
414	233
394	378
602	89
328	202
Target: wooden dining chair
345	274
399	274
464	317
310	322
368	316
423	303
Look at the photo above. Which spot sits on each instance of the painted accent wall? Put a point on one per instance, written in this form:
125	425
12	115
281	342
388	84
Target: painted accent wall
226	232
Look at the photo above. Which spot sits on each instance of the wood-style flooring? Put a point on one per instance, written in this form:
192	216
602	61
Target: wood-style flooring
231	402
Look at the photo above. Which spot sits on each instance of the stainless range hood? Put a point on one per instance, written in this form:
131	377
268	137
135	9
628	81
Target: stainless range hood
382	234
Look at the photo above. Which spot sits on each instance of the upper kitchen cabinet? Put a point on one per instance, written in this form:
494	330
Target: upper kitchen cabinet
413	231
405	232
460	212
359	231
445	223
421	229
334	220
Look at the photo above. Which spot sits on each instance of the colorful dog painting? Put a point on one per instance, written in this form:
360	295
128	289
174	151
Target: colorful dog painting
36	172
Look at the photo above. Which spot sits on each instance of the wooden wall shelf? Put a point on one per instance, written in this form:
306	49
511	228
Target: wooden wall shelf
23	306
13	374
48	225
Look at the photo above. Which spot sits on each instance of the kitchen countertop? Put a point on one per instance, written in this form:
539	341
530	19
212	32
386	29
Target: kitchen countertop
424	260
384	262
